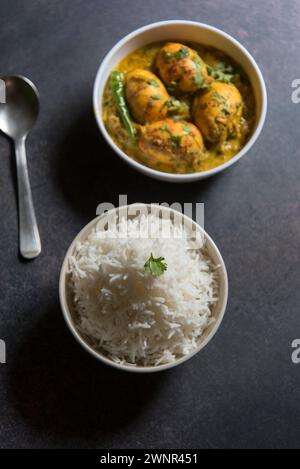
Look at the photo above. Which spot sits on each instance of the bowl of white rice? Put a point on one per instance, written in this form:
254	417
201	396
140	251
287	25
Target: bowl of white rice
143	288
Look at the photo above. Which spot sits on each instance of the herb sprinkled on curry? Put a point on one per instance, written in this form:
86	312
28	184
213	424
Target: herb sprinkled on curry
182	108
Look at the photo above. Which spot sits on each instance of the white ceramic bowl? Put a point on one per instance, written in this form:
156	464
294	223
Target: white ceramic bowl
66	299
181	31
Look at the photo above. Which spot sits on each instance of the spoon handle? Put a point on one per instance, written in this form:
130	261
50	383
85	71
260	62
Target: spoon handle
30	244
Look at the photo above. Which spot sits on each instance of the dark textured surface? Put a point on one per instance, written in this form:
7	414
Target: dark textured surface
242	390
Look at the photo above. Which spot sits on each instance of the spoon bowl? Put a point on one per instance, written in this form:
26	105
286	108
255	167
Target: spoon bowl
18	115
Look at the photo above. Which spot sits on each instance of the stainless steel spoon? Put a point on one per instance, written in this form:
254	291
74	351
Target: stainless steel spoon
17	117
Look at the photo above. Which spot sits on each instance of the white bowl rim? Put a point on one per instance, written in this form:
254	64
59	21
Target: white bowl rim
190	177
140	369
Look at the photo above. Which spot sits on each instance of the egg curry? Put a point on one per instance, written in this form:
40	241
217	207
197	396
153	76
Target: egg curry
179	108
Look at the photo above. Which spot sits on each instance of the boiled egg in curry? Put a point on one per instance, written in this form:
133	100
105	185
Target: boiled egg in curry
217	111
179	108
181	68
170	144
146	95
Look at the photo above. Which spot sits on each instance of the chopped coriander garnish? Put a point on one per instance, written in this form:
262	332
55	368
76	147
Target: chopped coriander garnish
156	267
174	105
172	87
177	107
164	128
221	72
221	99
153	83
175	141
199	78
218	97
186	129
206	86
177	119
156	97
182	53
225	109
167	55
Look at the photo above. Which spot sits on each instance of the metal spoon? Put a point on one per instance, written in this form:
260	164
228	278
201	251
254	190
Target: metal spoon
17	117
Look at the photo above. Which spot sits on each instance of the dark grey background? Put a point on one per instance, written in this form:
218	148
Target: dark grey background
242	390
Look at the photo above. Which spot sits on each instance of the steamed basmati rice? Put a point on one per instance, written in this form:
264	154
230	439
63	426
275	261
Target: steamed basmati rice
131	316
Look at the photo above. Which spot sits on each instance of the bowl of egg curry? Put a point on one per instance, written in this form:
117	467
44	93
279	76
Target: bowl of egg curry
180	101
